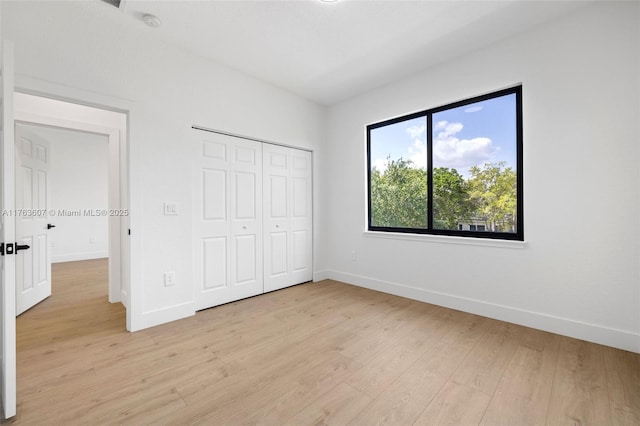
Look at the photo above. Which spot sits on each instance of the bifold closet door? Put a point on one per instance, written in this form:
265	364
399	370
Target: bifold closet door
288	223
228	222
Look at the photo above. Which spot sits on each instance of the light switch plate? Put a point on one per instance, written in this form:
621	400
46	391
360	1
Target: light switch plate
170	209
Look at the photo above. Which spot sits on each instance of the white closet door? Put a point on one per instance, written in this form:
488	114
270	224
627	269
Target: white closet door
301	222
276	217
228	225
287	217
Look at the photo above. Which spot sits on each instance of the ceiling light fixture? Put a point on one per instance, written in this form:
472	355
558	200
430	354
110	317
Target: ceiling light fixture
151	20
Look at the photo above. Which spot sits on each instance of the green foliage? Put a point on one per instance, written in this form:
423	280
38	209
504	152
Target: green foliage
399	196
451	203
493	190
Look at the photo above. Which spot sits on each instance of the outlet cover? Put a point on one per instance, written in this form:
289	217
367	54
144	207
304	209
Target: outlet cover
169	279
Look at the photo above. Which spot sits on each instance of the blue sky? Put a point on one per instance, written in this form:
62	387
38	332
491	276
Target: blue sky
463	137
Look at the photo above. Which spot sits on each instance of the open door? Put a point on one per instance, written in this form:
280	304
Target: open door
7	238
33	267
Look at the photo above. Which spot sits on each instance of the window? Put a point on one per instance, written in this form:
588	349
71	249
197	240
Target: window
452	170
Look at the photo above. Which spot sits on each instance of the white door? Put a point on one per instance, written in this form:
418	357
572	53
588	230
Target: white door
33	266
301	222
276	217
228	222
7	235
287	216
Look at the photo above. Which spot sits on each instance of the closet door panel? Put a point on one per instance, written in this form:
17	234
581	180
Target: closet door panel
212	219
288	216
301	222
228	223
214	255
245	259
214	190
278	249
276	217
246	221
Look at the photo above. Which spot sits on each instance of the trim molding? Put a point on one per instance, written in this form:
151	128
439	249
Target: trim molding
164	315
616	338
321	275
79	256
123	298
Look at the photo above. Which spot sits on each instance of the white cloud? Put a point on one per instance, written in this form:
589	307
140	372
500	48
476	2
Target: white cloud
418	151
418	154
448	129
473	109
380	165
450	151
417	131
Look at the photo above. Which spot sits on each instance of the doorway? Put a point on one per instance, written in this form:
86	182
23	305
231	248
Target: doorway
62	116
70	186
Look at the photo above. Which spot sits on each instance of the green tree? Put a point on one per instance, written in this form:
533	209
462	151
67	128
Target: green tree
451	202
399	195
493	190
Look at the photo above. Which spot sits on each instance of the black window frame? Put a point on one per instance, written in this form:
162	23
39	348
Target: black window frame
428	114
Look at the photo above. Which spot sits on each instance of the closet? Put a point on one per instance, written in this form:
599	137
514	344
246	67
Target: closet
252	218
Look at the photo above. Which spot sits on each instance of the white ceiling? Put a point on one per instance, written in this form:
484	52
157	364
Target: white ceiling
328	52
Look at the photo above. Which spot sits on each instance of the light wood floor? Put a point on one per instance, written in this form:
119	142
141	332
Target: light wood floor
323	353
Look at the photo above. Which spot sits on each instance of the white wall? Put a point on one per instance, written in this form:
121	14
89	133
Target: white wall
71	52
578	274
78	179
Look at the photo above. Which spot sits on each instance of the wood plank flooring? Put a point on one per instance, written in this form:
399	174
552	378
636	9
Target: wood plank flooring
314	354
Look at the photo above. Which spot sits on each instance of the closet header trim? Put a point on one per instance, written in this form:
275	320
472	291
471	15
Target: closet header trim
235	135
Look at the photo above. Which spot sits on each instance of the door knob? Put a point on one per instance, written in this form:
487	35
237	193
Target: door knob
49	226
21	247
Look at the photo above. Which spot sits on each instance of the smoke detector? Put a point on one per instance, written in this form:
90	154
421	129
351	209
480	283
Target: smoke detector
151	20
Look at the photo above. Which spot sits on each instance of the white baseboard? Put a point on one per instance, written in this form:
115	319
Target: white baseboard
621	339
164	315
72	257
321	275
123	298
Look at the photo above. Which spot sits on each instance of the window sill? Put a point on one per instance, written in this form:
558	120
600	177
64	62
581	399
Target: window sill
446	239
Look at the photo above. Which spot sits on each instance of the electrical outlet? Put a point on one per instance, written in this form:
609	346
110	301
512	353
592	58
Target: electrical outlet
92	240
169	279
354	256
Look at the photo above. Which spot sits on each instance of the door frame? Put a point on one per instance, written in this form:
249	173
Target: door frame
8	385
121	246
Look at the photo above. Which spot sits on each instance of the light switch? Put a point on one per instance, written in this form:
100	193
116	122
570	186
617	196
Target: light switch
170	209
